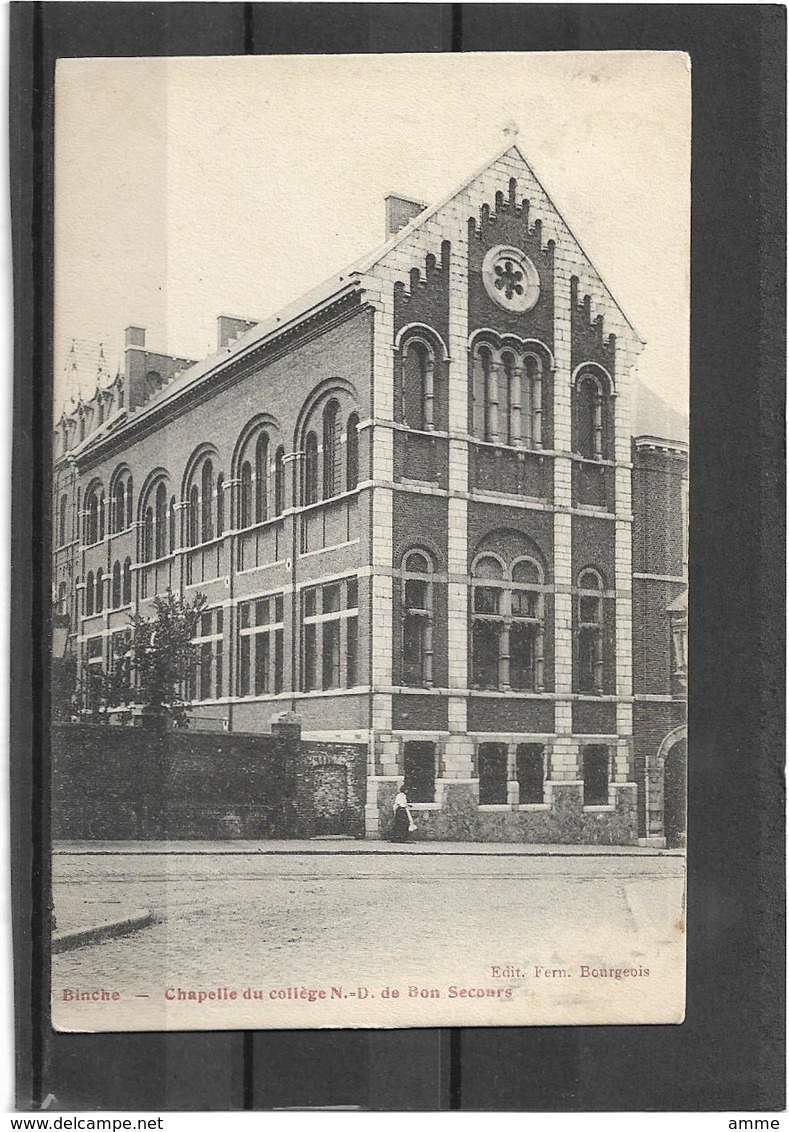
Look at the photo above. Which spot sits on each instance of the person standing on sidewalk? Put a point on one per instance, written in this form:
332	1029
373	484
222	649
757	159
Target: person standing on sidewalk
403	822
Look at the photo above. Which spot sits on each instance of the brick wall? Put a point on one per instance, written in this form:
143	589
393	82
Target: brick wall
128	783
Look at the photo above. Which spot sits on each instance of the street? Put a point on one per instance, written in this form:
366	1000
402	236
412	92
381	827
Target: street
538	938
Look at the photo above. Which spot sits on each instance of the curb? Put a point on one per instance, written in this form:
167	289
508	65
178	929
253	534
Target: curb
68	939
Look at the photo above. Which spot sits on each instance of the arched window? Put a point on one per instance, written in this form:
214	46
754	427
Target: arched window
526	627
487	621
62	520
261	478
147	535
129	500
172	527
417	590
220	505
99	590
589	597
311	469
115	599
352	453
507	395
194	515
279	481
160	522
507	629
91	531
120	506
207	501
418	395
485	403
127	582
331	450
89	594
589	417
245	496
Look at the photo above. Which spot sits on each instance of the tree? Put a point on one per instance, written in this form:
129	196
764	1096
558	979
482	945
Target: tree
162	655
153	665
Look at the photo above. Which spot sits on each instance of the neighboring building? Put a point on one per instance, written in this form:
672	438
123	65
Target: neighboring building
416	506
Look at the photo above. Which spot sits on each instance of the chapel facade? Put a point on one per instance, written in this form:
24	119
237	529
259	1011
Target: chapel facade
422	520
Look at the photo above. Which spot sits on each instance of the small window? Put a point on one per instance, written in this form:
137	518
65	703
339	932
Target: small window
310	657
99	591
492	774
530	773
419	764
595	760
331	598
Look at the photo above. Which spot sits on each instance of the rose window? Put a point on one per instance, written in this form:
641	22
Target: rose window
511	279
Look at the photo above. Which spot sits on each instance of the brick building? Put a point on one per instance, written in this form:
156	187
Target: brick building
424	520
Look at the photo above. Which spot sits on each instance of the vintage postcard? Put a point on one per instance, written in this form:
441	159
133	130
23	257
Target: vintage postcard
369	541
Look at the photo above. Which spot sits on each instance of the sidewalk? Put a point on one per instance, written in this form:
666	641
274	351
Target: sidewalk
348	846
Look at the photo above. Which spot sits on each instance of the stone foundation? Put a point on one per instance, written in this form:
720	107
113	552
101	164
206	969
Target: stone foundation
457	816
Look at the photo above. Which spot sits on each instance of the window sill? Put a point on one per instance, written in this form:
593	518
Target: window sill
607	809
424	806
534	807
493	807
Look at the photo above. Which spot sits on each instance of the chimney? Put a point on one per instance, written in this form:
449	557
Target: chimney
399	212
135	336
228	328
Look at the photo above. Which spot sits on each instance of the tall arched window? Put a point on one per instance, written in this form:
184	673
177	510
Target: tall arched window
331	450
279	481
120	505
507	627
311	469
172	526
589	405
526	628
117	592
89	594
99	590
352	452
220	505
62	520
245	496
261	478
485	405
91	521
418	394
194	515
590	633
129	500
147	535
127	582
160	522
487	626
507	395
417	619
207	501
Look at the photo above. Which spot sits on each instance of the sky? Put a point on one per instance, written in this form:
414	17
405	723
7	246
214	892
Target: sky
186	188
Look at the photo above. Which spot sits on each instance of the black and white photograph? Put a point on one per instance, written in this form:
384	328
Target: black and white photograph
370	541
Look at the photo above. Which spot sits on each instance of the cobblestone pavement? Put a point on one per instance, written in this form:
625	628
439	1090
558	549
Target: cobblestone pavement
315	920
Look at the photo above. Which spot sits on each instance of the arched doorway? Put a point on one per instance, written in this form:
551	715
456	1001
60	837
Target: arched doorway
675	777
